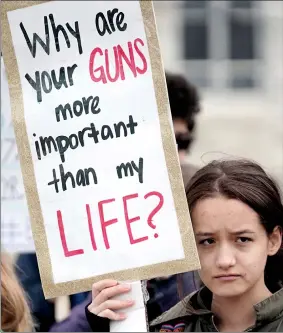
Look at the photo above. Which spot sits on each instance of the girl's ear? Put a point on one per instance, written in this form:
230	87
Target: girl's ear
275	241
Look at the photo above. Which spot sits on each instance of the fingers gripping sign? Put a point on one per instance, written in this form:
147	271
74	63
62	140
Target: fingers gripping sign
103	304
109	297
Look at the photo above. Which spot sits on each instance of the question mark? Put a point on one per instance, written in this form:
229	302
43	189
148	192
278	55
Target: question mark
155	210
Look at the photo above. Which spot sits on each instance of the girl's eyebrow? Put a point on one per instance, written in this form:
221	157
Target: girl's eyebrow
204	234
237	233
245	231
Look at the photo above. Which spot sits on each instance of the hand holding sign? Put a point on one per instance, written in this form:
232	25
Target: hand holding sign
103	304
96	144
118	302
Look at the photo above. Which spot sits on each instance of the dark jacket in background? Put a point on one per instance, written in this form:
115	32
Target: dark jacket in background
167	292
76	321
43	311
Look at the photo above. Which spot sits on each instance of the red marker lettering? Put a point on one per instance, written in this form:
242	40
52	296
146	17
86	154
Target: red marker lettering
63	238
144	69
91	65
131	220
93	243
104	223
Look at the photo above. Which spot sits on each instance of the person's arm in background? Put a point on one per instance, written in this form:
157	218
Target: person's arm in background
76	321
96	323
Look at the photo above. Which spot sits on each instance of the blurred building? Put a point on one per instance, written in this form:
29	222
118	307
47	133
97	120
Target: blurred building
233	51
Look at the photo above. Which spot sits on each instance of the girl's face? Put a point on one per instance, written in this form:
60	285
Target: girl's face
232	244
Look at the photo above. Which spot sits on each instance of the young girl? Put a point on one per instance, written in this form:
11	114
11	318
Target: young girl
237	216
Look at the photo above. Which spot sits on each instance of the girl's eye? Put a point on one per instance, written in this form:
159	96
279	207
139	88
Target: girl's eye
244	240
207	241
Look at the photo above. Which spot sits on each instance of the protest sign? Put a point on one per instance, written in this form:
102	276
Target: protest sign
95	140
15	225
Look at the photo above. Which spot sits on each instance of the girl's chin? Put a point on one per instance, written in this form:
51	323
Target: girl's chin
228	290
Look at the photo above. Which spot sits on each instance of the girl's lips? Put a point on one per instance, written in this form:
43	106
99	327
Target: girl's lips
227	277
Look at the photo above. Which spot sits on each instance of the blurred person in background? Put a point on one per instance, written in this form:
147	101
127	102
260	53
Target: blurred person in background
185	106
15	313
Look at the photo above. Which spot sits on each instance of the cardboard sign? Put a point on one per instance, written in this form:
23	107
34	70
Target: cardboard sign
16	233
98	154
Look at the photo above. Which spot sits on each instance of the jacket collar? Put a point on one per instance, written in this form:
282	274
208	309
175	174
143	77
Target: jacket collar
190	305
267	310
199	303
271	308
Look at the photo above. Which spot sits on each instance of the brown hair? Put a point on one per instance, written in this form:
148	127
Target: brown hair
246	181
15	314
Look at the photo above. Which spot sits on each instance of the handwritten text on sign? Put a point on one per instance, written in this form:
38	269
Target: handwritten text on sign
94	132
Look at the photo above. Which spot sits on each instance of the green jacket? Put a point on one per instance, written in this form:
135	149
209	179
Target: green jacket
193	315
